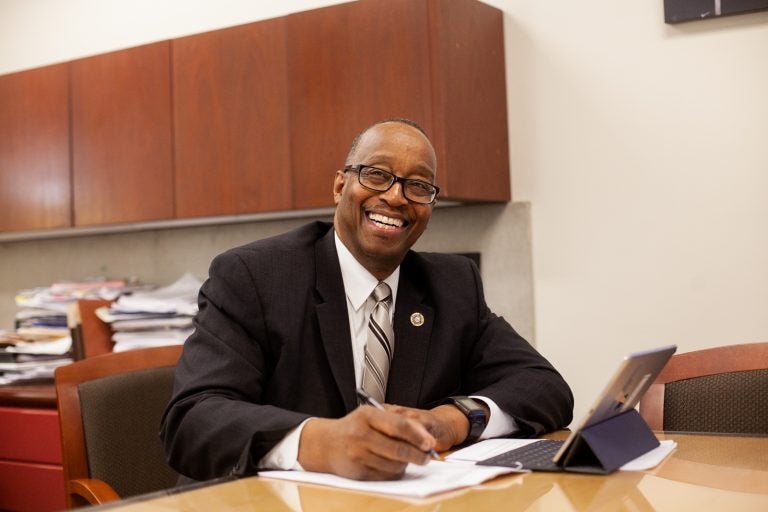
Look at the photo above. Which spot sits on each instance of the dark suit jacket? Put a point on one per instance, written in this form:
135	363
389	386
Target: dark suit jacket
272	348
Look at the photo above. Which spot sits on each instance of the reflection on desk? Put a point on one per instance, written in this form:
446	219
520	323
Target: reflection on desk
705	473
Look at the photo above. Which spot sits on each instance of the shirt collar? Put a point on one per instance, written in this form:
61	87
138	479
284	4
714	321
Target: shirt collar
358	282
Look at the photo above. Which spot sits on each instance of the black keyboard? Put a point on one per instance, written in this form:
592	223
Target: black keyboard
535	456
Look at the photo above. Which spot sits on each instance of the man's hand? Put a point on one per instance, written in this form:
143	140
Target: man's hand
366	444
445	422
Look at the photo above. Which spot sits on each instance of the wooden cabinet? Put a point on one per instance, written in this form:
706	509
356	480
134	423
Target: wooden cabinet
121	136
440	63
230	105
351	65
469	123
31	475
34	149
254	118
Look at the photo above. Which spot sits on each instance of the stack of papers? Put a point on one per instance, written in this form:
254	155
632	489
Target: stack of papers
26	361
42	311
153	318
41	340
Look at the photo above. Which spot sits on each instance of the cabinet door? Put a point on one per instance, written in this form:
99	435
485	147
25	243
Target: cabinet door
438	63
231	121
470	126
349	66
35	186
121	136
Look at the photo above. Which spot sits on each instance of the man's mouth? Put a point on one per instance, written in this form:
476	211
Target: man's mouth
385	222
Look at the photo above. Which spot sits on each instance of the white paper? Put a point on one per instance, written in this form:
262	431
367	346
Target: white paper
417	482
652	458
179	297
43	367
55	347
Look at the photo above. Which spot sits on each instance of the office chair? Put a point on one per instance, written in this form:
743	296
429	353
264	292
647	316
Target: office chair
722	389
110	408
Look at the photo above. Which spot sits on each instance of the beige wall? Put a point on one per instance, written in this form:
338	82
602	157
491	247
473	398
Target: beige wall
643	150
640	147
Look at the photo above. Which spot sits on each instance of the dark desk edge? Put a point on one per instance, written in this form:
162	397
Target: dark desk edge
34	394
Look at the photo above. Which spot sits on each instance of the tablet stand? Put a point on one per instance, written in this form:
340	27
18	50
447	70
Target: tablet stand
606	446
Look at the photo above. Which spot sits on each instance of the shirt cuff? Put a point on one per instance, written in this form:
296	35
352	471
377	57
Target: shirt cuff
499	422
285	454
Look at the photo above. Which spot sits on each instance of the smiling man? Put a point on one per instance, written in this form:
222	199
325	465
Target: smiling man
378	227
291	327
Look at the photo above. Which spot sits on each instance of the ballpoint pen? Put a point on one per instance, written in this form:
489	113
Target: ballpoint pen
368	399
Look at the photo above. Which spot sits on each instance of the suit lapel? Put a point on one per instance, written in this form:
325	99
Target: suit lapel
413	329
333	320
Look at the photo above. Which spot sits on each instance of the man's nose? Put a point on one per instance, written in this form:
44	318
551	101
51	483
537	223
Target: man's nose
395	195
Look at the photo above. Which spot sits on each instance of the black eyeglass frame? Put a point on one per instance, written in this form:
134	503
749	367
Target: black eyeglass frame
394	179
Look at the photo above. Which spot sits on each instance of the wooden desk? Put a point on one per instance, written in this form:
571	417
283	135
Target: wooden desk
704	473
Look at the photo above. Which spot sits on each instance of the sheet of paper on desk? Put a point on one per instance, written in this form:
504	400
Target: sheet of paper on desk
652	458
417	482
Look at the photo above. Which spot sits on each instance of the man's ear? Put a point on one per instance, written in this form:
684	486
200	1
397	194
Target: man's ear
338	186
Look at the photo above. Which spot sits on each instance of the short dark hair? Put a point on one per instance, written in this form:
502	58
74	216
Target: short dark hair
402	120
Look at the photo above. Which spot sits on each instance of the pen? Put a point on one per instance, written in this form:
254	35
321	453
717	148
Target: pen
365	397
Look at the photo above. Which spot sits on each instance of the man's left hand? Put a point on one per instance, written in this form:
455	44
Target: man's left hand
448	425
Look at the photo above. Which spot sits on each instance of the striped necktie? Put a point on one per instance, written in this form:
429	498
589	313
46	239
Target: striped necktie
380	345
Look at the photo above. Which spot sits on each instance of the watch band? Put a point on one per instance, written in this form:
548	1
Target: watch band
474	413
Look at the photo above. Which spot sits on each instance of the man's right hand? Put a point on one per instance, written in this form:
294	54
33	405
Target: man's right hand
366	444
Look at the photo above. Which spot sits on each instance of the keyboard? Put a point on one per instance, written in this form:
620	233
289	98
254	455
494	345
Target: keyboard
534	456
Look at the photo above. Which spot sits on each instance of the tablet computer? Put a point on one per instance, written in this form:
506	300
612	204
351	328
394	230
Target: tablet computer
623	391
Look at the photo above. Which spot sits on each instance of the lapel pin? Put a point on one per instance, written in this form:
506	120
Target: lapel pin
417	319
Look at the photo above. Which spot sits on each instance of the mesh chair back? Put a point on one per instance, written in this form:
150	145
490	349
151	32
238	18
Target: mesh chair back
735	402
121	412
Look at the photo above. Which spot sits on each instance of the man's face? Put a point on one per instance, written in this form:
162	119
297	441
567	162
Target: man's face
378	228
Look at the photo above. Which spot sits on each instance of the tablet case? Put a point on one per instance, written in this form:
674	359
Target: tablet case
606	446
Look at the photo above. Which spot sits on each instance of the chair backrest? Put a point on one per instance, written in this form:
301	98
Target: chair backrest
722	389
110	407
90	336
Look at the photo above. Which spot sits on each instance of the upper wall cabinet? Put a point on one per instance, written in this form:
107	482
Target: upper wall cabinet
440	63
34	149
253	118
121	136
230	104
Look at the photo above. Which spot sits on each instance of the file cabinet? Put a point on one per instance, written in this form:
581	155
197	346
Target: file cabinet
31	474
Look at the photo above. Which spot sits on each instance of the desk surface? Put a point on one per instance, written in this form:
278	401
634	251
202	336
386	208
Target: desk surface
703	473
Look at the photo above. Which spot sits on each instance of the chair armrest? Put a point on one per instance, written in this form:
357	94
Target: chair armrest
89	491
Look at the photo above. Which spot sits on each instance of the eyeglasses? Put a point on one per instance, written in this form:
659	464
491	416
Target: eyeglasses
380	180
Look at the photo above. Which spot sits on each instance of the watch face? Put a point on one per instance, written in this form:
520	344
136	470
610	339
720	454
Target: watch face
477	415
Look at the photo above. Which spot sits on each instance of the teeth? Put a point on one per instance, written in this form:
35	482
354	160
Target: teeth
383	219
